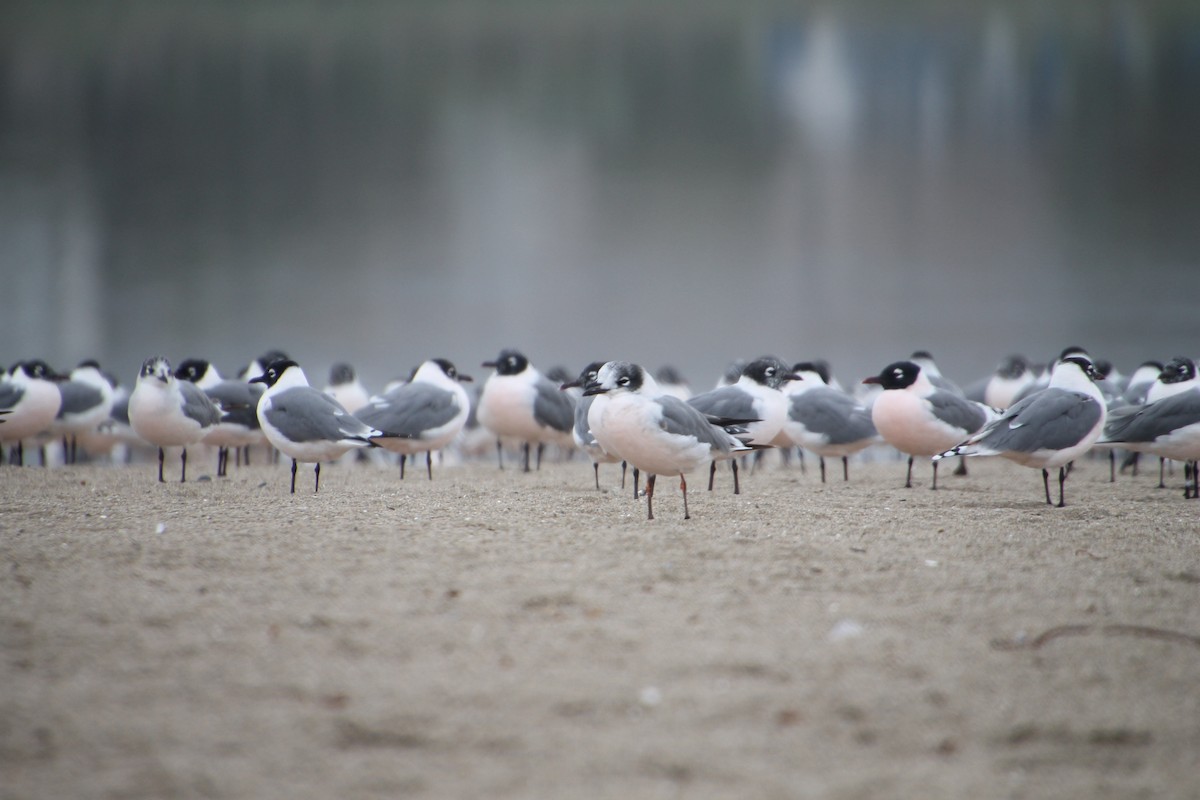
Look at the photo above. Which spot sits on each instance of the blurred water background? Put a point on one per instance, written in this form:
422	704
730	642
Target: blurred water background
662	182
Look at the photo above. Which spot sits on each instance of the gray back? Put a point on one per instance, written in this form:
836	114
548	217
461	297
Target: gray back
78	397
1053	419
833	414
683	419
956	410
198	406
1146	423
553	408
238	401
303	414
10	394
410	410
728	402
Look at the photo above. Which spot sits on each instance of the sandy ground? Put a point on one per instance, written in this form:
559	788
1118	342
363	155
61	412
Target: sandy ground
498	634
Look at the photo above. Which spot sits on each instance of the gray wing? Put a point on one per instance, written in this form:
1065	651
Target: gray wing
683	419
728	402
238	401
78	397
553	408
198	406
956	410
832	414
1146	423
303	414
120	409
10	394
410	410
1053	418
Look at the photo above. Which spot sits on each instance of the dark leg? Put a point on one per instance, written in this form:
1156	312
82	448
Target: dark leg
293	476
934	486
908	479
961	469
429	463
1062	478
821	461
499	454
737	489
624	468
1046	483
596	469
650	496
66	446
540	449
160	465
183	466
73	443
845	468
1112	465
222	461
525	448
712	471
1162	467
683	488
403	460
317	479
247	459
636	475
800	456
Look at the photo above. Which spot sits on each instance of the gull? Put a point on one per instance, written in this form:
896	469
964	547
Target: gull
167	412
658	434
345	387
825	420
425	413
31	402
87	399
306	424
518	402
1049	428
581	431
754	400
1168	428
238	427
917	418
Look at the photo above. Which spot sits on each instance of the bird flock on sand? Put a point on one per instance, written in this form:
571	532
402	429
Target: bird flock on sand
616	412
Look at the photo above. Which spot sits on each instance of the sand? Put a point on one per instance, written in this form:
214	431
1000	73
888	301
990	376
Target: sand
507	635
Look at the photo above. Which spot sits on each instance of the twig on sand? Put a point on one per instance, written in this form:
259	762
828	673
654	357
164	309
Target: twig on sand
1060	631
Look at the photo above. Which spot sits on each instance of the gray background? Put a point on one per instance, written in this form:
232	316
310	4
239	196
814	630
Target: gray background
685	183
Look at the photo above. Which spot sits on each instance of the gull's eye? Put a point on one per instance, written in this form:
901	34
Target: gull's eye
770	371
452	372
622	381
